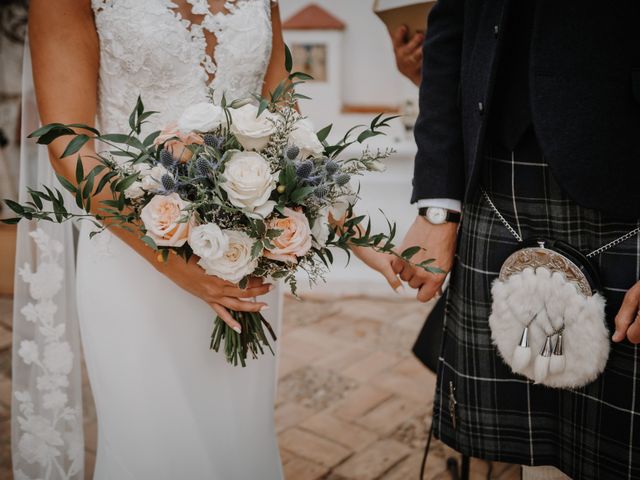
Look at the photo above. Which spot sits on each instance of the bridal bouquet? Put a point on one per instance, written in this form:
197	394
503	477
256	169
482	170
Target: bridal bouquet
247	186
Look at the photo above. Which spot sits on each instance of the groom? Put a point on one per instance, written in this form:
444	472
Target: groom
537	103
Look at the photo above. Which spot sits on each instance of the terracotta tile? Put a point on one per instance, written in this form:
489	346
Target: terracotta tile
89	465
371	365
313	447
290	414
373	461
343	358
91	436
409	468
418	389
360	401
388	415
288	363
286	456
5	338
300	469
5	391
348	434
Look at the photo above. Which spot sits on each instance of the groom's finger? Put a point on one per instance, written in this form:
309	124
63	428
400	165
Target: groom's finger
428	291
398	265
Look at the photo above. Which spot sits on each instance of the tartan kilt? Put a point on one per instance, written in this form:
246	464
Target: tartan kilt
588	433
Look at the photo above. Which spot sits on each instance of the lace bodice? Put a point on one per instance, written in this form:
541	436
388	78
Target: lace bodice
147	48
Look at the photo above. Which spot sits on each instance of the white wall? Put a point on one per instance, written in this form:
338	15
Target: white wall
371	76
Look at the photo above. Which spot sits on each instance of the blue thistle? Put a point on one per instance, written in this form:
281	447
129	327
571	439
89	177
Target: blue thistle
292	152
166	159
342	179
214	141
168	182
321	191
316	180
304	169
203	166
331	167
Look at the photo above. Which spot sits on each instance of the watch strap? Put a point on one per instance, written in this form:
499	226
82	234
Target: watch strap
453	217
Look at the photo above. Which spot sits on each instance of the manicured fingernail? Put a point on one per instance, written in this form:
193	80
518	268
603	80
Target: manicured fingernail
264	307
271	287
238	330
400	289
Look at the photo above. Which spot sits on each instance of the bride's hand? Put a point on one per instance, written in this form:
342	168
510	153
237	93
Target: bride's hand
218	293
380	262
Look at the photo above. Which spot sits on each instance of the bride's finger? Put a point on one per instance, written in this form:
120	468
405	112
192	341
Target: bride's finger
226	317
243	306
392	278
255	282
246	292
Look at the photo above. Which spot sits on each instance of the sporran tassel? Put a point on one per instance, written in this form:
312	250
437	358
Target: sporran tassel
558	360
541	367
522	352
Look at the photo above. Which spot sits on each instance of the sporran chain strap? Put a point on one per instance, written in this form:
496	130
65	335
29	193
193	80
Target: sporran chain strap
592	254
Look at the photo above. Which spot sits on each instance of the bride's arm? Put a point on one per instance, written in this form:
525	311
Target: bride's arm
276	72
65	54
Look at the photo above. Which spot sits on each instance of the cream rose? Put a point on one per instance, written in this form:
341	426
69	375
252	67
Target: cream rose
248	182
295	239
252	131
201	117
161	218
236	262
208	242
303	137
176	141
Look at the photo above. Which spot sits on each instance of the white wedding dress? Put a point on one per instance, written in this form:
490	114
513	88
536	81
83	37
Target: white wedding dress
168	407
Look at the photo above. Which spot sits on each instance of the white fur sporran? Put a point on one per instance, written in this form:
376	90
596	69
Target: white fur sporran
547	321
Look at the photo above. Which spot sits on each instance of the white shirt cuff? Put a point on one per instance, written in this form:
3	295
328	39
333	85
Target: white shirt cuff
447	203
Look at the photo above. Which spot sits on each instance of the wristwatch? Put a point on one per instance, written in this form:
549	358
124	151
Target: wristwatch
439	216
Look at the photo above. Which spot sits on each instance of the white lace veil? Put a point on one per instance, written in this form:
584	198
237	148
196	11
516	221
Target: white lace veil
46	413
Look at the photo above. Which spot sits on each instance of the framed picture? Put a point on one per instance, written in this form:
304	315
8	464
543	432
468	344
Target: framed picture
310	58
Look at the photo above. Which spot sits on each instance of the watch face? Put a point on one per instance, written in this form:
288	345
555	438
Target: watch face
436	215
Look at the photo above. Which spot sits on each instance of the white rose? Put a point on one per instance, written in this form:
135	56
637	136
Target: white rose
208	241
201	117
163	220
151	178
303	137
236	262
252	131
150	181
249	182
320	230
135	191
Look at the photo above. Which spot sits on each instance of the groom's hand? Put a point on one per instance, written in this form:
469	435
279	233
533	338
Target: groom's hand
438	242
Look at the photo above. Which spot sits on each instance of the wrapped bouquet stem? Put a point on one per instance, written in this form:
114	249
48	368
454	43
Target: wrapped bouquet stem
246	187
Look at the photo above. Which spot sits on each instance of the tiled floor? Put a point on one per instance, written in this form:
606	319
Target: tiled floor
353	403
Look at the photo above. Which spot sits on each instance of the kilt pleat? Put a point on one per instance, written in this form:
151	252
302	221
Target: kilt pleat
589	433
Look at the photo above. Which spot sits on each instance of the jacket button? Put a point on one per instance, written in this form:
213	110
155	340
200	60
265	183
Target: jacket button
496	29
480	108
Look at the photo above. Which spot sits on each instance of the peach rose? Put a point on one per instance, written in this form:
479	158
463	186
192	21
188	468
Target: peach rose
161	218
295	239
175	141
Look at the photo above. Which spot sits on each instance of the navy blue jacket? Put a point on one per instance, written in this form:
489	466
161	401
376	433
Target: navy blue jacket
583	88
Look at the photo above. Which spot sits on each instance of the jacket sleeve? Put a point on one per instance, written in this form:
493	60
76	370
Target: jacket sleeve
439	163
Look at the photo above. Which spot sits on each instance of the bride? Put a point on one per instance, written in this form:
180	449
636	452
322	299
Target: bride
167	406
